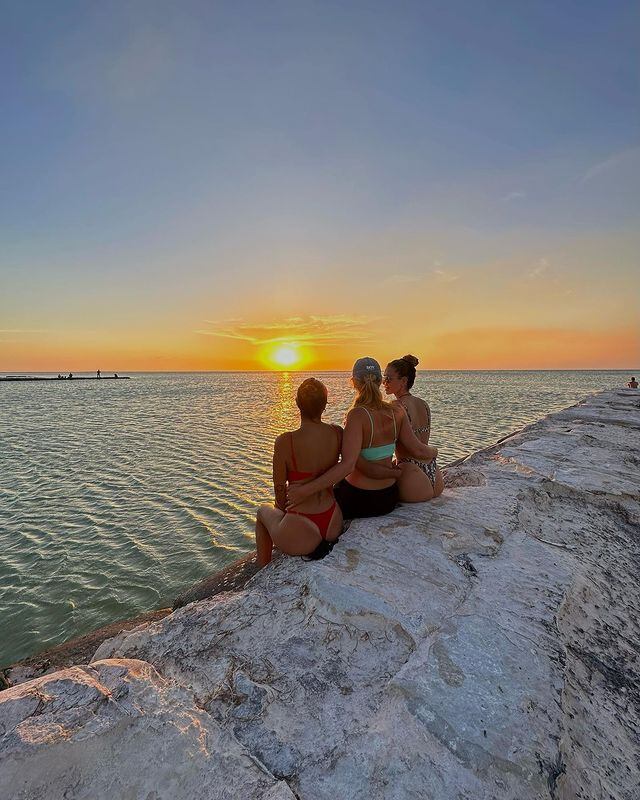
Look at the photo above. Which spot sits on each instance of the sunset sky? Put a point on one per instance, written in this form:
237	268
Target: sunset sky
195	185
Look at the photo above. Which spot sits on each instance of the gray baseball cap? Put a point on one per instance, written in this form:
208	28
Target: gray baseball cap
366	366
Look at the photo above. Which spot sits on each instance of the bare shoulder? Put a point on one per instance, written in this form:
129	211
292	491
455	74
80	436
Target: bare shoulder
281	441
355	414
398	407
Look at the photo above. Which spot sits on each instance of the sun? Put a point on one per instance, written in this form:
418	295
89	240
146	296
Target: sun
285	356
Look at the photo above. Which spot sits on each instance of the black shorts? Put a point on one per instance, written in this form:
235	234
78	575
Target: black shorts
355	502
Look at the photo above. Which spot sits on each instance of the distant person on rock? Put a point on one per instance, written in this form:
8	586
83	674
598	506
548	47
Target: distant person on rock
70	376
98	374
633	383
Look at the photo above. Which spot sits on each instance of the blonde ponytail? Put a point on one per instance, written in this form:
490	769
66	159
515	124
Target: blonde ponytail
368	394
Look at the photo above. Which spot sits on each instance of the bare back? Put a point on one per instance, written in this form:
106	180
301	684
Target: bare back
377	428
303	454
419	415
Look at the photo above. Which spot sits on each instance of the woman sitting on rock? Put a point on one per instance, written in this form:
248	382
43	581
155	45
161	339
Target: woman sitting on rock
372	429
420	480
301	455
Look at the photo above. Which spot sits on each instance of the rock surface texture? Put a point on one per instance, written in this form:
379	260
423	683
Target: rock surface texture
483	645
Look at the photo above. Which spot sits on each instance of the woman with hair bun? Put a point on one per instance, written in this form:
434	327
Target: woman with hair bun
421	479
301	455
372	431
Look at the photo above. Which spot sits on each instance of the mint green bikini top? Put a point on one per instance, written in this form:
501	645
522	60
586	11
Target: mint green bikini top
382	450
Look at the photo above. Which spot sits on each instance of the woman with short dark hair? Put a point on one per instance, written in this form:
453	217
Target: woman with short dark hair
301	455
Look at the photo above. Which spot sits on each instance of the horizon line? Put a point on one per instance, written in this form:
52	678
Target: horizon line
121	373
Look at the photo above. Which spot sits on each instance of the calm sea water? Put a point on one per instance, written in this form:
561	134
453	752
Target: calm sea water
116	495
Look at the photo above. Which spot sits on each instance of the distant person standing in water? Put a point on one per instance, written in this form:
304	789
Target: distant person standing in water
420	480
98	374
633	383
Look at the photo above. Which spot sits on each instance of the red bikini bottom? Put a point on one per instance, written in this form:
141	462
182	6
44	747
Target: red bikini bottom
321	520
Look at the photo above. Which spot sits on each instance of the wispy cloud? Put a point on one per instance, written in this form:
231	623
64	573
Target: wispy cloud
631	154
511	196
317	330
550	273
540	269
444	276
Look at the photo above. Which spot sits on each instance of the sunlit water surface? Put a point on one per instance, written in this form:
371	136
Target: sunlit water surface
116	495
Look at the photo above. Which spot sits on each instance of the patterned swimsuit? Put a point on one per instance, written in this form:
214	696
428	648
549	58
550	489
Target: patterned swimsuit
429	468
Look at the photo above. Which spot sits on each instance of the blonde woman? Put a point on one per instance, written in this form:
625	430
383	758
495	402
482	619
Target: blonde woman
371	431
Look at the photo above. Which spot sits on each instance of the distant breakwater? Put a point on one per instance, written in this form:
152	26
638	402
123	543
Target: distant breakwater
32	378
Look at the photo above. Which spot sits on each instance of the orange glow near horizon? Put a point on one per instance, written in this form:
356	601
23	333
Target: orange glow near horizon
332	345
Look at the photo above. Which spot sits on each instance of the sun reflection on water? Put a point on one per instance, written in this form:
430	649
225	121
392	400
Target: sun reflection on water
283	411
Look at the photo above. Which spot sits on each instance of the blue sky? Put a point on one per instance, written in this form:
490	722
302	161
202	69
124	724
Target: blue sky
167	163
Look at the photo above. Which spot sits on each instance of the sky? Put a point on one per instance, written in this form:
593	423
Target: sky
197	185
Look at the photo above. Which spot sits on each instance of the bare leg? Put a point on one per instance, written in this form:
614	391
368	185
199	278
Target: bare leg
264	542
264	545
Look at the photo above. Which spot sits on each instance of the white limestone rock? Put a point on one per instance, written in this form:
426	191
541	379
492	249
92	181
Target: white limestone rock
117	729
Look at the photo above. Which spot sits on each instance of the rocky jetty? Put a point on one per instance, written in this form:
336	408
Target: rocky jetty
78	650
481	646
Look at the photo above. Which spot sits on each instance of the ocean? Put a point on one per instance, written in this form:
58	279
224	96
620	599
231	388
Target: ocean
117	495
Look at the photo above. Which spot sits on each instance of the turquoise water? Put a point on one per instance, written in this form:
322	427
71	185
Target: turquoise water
115	496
